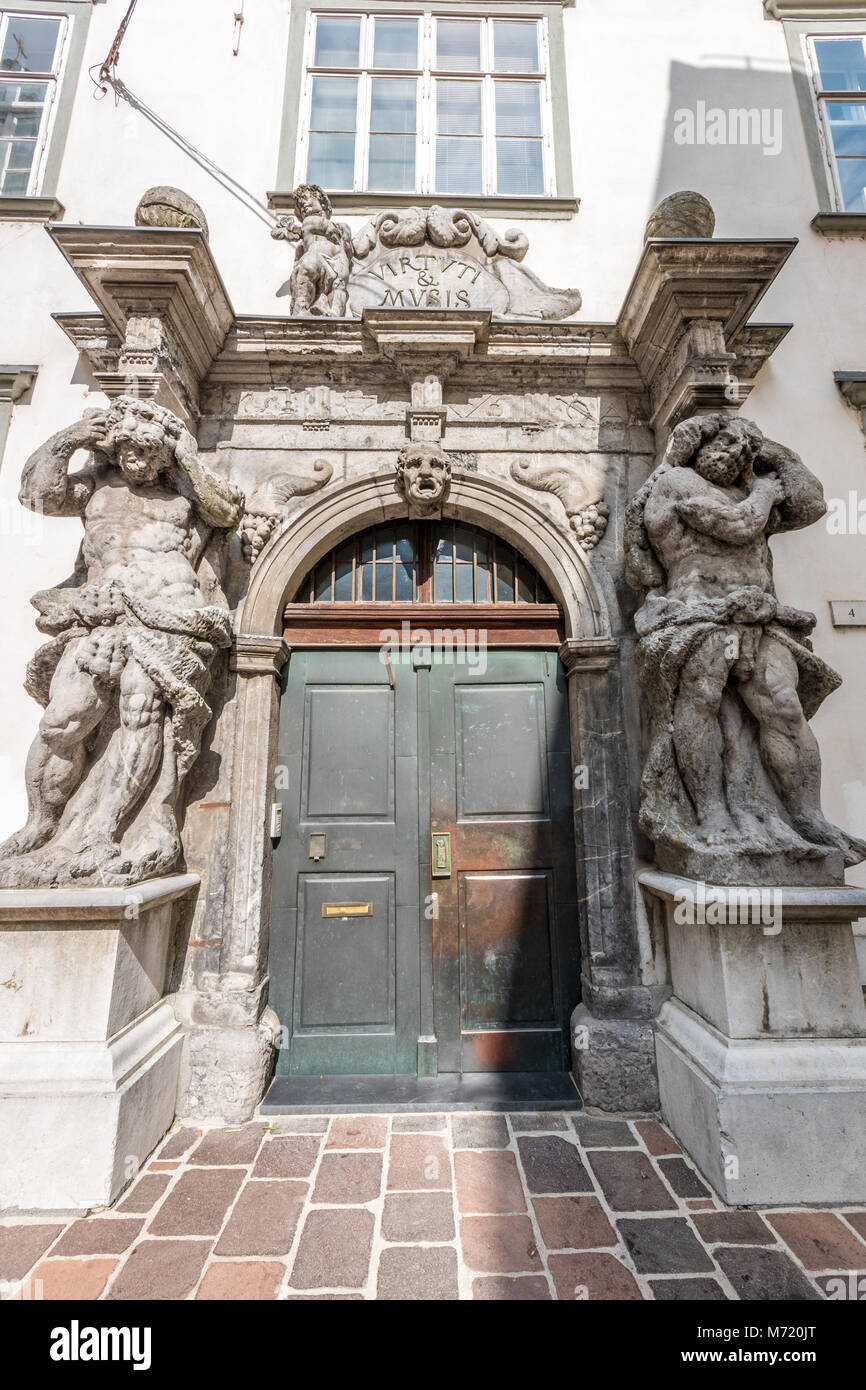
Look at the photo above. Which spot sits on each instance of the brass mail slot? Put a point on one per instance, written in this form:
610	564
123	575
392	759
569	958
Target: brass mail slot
347	909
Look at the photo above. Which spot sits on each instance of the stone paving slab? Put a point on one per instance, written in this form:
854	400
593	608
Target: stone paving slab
494	1207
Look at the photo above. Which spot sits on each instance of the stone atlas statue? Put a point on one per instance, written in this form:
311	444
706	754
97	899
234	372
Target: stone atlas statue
133	634
732	778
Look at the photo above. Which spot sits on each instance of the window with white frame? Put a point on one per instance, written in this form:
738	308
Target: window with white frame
426	103
31	49
838	65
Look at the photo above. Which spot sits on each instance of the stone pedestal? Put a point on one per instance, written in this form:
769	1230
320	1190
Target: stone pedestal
89	1047
761	1049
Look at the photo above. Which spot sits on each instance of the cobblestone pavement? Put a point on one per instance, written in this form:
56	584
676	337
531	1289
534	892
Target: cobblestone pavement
468	1205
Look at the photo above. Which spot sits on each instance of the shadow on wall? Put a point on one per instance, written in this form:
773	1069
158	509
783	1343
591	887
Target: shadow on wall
736	136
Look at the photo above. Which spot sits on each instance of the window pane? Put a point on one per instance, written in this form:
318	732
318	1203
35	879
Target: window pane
458	45
30	45
21	123
343	573
393	104
848	127
463	543
338	41
525	583
13	181
841	64
384	583
458	166
458	108
515	46
464	584
404	591
334	104
406	546
518	108
331	161
392	163
519	166
444	547
366	591
483	577
384	543
444	583
852	177
395	43
322	585
504	579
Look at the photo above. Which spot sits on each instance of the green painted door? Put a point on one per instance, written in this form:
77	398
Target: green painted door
344	939
506	940
364	959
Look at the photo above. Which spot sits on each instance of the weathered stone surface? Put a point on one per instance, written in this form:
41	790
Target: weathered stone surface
76	1280
488	1182
543	1121
592	1276
133	633
480	1132
418	1162
819	1240
287	1156
613	1061
357	1132
682	214
146	1193
221	1148
98	1236
731	785
21	1247
758	1274
552	1164
683	1180
263	1219
226	1070
348	1179
323	254
687	1290
334	1251
197	1204
664	1246
602	1134
416	1216
499	1244
418	1272
573	1223
629	1181
657	1139
241	1281
733	1229
526	1288
178	1142
160	1269
587	515
268	504
164	206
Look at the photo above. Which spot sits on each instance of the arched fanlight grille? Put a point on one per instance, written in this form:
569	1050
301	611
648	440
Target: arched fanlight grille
424	562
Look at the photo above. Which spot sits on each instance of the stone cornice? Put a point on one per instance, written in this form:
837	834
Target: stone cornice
582	655
815	9
161	297
259	656
14	381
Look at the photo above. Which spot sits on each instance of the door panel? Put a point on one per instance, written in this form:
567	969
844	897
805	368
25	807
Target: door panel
345	983
506	934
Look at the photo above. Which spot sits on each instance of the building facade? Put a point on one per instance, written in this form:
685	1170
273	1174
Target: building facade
410	392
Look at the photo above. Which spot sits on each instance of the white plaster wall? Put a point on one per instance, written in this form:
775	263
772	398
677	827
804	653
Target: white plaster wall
631	65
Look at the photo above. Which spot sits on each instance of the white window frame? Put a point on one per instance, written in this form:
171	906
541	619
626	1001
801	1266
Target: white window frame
822	98
427	75
52	79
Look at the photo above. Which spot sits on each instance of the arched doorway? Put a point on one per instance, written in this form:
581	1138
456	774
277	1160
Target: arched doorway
424	908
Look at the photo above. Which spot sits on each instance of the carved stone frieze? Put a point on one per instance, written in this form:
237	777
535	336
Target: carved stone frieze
587	513
268	505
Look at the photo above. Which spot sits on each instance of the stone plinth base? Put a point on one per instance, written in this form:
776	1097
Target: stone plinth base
89	1048
762	1050
613	1061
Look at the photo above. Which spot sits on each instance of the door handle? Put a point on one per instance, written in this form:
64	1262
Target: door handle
441	855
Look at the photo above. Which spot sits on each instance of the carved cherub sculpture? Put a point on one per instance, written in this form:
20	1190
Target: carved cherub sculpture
423	478
319	282
134	633
728	675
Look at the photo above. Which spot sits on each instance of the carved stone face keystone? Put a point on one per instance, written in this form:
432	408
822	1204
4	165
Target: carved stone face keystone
423	478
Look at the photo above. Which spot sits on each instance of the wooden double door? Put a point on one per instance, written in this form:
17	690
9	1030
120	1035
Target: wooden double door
425	904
